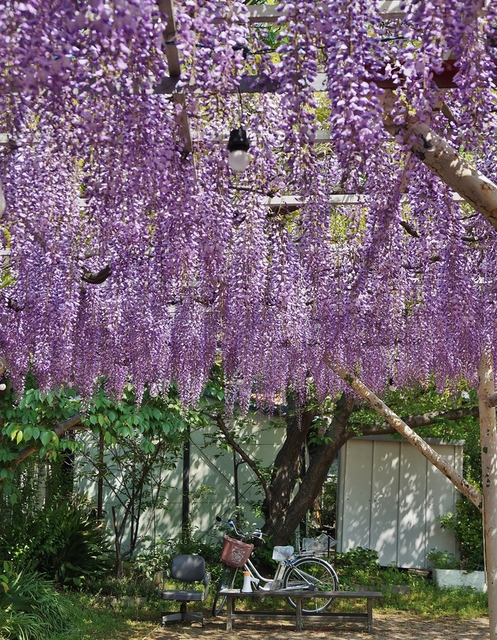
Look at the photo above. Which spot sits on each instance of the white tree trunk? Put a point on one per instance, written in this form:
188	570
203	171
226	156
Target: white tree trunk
437	154
455	171
399	425
488	443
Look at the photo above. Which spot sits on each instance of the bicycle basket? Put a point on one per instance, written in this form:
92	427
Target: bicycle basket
320	545
235	553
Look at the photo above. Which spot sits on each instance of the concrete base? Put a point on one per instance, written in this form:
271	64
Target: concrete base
454	578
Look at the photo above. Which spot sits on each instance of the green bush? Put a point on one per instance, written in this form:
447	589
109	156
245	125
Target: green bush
30	606
126	586
17	625
159	557
466	523
442	559
361	566
62	540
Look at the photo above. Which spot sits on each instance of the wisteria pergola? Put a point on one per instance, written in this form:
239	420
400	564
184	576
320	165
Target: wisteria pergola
360	239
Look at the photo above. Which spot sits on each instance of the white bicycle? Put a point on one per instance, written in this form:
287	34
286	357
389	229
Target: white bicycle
295	572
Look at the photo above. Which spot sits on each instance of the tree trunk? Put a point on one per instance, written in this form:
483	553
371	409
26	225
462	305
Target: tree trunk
488	442
287	470
281	525
444	161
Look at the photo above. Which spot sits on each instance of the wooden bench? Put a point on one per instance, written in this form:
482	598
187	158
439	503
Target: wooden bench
298	596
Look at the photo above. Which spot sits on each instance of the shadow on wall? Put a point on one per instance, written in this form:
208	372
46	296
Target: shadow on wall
390	497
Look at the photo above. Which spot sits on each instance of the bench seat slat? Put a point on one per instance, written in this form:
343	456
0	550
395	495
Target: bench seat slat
299	597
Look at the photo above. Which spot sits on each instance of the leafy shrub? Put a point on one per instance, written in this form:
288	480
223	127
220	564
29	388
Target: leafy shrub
30	606
125	586
62	539
159	557
467	526
17	625
442	559
361	566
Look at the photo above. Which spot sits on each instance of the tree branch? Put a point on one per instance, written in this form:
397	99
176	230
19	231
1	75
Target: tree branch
423	420
243	455
60	429
96	277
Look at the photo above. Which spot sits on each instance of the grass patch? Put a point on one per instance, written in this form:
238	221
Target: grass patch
428	600
94	618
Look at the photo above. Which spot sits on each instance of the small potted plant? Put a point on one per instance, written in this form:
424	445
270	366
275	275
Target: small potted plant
448	573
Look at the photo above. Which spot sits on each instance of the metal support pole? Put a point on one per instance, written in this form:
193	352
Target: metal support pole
185	513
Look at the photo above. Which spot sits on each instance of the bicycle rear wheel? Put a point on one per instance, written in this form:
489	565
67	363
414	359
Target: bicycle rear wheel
227	581
311	574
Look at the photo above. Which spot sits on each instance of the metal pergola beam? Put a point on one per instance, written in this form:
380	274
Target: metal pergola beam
270	13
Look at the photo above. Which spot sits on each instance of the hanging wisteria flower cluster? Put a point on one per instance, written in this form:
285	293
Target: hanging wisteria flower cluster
132	252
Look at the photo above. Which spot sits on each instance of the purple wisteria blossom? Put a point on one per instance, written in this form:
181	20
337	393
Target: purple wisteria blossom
131	258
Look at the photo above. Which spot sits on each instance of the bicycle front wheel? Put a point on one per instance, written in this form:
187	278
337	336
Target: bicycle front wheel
226	582
311	574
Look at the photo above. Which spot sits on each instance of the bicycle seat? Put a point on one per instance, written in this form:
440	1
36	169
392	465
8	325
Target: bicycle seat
283	553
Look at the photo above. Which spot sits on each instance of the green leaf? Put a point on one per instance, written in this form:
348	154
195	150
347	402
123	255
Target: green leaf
28	433
46	437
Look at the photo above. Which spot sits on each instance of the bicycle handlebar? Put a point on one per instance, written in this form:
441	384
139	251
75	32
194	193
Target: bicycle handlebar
257	533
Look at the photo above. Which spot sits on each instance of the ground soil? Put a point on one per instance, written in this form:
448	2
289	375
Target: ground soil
386	627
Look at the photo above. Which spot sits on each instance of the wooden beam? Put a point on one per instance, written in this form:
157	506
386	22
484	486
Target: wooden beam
7	142
262	83
270	13
488	447
452	168
173	62
170	34
405	430
292	203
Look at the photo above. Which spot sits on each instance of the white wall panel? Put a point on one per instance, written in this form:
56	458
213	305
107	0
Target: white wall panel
355	505
385	500
411	549
403	494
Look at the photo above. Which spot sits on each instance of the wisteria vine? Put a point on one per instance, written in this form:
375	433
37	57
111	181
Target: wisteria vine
131	260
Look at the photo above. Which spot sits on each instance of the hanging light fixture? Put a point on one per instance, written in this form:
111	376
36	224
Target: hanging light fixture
238	146
2	201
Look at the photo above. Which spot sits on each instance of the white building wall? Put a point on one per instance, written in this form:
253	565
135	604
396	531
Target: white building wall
212	483
389	499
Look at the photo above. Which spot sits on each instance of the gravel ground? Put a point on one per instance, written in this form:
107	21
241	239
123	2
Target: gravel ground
386	627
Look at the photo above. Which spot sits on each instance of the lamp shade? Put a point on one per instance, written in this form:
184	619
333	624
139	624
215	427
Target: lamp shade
238	145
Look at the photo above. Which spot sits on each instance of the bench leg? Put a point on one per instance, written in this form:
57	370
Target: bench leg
229	614
298	614
370	615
